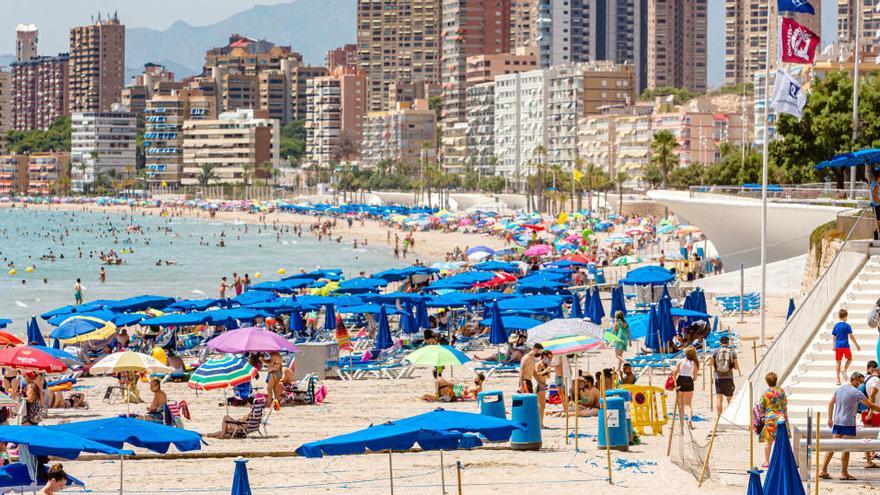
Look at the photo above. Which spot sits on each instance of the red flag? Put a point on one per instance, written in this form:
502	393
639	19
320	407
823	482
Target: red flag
797	44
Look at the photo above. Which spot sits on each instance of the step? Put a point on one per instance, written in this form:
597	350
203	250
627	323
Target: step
867	353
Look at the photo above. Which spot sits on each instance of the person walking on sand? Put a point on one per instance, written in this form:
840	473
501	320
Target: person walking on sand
78	292
542	373
843	333
621	338
842	420
724	362
685	373
773	405
527	369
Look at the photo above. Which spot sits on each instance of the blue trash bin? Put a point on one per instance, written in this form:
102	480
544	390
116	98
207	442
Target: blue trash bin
524	409
627	403
600	277
492	404
618	438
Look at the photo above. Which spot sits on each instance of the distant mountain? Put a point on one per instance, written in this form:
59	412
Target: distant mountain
310	27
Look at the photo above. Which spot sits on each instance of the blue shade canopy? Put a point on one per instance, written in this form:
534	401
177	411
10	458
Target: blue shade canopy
18	475
330	317
395	275
283	286
438	429
369	309
34	335
63	310
139	303
4	322
59	354
867	156
118	319
393	297
241	485
648	275
362	284
596	312
120	430
461	280
653	339
194	304
536	303
618	302
576	308
422	315
638	324
664	318
252	297
782	475
513	323
755	487
383	336
408	322
44	440
689	313
495	266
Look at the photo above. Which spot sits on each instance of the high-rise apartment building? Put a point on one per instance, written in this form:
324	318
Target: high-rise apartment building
484	68
101	142
299	86
26	39
562	30
677	49
154	80
344	56
481	126
163	137
5	105
39	92
227	144
470	27
522	29
398	40
336	107
746	26
403	134
97	65
870	19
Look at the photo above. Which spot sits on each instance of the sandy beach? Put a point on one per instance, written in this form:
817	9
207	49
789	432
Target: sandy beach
351	405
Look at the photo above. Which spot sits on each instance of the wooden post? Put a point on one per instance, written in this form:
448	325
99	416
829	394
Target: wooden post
565	402
390	473
711	373
709	452
751	429
605	420
458	473
577	389
672	425
816	492
755	352
442	474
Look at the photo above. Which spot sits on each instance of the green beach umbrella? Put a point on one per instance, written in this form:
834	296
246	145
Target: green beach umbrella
437	355
222	372
626	260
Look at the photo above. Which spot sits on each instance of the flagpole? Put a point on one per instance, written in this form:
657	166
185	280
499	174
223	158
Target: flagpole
855	108
764	167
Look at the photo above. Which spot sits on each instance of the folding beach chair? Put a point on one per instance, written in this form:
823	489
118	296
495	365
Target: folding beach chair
256	421
112	395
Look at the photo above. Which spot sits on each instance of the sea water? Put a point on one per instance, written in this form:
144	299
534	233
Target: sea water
27	235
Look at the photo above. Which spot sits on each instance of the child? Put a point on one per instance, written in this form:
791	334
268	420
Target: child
842	335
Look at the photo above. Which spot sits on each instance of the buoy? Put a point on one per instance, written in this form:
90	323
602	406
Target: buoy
281	271
13	272
29	269
258	275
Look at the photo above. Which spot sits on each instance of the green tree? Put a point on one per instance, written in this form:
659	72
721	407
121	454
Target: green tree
293	140
663	153
207	174
56	138
684	177
652	175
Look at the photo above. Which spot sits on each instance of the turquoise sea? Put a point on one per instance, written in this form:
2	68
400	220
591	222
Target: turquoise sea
27	235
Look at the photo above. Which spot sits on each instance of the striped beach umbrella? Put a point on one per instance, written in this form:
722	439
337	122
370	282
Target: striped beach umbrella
7	401
573	345
221	372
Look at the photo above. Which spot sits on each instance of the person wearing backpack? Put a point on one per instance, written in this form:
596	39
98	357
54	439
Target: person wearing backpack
724	362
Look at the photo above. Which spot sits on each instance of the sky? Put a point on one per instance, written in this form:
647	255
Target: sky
55	17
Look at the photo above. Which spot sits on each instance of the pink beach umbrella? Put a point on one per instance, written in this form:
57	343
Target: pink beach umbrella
250	339
538	250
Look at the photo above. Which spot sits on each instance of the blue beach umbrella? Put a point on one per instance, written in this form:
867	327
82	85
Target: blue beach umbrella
665	291
34	336
422	314
383	337
43	440
616	298
664	318
408	320
145	434
4	322
75	327
576	311
497	333
782	475
755	487
330	317
297	325
652	337
240	483
790	308
598	312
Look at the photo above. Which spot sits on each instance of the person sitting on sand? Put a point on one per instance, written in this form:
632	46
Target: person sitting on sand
56	480
76	400
627	376
443	389
156	409
588	397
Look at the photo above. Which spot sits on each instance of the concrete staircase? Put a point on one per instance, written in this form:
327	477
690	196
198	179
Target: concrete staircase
812	383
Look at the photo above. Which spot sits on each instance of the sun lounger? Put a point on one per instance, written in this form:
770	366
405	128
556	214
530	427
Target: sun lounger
491	368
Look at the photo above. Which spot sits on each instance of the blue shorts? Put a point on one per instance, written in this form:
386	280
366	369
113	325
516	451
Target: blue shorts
849	431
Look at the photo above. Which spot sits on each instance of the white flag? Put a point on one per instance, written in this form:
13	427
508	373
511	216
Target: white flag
788	96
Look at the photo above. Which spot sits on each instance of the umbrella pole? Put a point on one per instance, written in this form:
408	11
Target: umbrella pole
390	473
442	475
121	471
605	421
577	389
751	436
816	485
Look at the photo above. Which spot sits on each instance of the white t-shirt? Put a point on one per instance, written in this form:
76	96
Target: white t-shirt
873	382
686	368
566	367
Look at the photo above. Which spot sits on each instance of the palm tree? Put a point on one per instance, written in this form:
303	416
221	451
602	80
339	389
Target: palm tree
247	171
542	165
620	179
206	174
663	153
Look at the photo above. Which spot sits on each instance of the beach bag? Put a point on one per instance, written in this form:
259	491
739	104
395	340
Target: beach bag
758	418
874	317
723	361
670	383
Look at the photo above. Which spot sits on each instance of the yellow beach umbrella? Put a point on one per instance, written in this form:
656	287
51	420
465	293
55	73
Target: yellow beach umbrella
137	362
